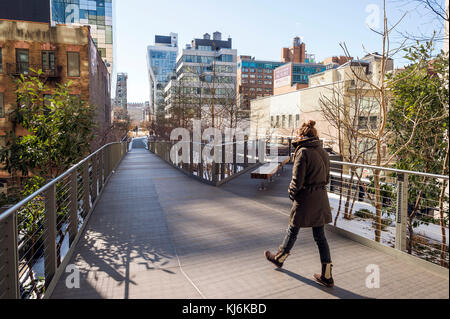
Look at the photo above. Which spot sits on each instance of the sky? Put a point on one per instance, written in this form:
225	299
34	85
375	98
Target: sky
259	28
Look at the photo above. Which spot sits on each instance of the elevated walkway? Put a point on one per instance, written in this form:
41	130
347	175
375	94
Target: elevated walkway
156	233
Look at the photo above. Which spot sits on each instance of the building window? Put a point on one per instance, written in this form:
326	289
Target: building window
48	60
2	106
73	64
252	81
252	70
290	121
260	70
268	82
252	76
1	61
22	60
260	82
283	121
297	120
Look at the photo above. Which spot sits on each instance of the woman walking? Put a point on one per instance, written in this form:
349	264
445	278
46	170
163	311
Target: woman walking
307	190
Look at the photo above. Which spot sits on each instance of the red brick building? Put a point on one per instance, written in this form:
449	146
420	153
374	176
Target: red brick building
63	53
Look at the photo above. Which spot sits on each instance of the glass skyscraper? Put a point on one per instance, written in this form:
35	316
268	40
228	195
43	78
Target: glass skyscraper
96	13
161	60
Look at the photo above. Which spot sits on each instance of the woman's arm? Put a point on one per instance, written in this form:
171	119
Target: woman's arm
298	173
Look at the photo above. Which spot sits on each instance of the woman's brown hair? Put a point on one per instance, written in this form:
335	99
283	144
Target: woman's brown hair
308	130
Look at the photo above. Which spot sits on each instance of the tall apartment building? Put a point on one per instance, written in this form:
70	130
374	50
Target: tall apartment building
206	77
121	91
63	53
161	63
254	79
98	14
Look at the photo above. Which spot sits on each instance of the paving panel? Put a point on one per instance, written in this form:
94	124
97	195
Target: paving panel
151	218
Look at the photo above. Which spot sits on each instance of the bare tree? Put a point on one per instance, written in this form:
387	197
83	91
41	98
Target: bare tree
347	105
378	82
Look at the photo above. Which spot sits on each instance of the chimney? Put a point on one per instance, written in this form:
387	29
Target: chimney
217	36
206	36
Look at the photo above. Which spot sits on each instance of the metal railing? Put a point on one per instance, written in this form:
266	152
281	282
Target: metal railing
37	233
235	158
402	209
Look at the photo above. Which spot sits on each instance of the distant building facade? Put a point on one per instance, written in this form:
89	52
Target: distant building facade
286	112
254	79
63	53
121	99
161	63
294	76
205	74
137	112
98	14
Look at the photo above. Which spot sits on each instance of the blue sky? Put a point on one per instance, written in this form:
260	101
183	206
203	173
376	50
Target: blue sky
258	28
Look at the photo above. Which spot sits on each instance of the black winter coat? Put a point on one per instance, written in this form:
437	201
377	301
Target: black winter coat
310	175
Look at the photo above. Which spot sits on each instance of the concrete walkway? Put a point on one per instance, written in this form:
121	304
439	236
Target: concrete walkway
157	233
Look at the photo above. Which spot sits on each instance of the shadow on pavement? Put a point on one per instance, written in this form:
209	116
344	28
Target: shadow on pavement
335	291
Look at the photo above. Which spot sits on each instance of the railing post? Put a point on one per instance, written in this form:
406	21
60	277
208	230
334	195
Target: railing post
215	172
112	155
290	148
100	169
86	191
94	177
223	160
402	211
200	165
234	155
50	231
9	288
191	157
246	152
106	161
73	208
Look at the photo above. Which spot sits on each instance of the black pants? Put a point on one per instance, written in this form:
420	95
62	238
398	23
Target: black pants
319	237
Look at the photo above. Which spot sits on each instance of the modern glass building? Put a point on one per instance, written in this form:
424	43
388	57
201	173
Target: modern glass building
161	63
302	71
121	99
96	13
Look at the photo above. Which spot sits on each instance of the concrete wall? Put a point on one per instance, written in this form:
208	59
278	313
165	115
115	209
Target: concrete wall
304	103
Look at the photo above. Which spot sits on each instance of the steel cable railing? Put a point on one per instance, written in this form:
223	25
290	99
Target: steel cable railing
406	210
37	233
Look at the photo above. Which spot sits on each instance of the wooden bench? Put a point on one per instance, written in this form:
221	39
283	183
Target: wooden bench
269	169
